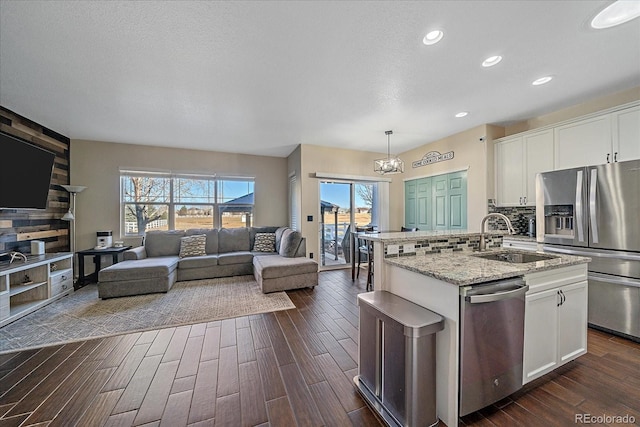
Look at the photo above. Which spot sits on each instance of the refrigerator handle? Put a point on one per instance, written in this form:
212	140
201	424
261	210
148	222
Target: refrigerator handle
578	213
592	204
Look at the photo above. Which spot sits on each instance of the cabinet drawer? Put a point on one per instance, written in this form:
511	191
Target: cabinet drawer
61	282
555	278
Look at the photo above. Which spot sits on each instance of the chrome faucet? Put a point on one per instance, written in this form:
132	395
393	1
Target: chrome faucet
483	244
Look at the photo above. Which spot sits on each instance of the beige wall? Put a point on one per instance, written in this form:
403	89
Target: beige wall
97	164
332	160
592	106
470	154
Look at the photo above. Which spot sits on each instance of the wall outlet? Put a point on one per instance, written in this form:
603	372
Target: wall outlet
311	255
309	218
393	249
408	248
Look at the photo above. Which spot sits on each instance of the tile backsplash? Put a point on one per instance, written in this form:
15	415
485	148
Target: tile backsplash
440	245
518	215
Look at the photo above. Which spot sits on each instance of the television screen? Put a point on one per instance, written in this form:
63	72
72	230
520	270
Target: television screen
25	174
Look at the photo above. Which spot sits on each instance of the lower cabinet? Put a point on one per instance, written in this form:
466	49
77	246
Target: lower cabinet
555	325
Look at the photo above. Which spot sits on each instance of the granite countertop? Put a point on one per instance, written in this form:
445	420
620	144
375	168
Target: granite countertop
464	268
519	237
404	236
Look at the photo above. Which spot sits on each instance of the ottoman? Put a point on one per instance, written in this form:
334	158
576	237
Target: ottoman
145	276
277	273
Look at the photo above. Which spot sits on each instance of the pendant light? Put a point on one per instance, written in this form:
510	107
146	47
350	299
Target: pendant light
389	165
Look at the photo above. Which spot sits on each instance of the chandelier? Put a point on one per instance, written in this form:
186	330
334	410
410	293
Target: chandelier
390	164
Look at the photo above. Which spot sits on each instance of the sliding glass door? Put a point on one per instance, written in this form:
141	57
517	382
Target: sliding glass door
344	205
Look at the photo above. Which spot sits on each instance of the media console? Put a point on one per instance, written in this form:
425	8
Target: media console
28	285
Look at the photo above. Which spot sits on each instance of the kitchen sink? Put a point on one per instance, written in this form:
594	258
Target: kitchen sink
515	257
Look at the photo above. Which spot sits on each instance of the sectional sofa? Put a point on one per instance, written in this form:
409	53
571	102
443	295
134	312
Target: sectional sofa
276	256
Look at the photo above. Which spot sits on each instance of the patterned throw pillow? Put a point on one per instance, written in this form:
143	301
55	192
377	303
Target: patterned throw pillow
265	242
193	245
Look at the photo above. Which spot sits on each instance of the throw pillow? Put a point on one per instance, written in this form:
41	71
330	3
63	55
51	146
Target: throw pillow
265	242
193	245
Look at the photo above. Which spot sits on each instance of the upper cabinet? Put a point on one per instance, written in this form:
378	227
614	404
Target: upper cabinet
583	143
518	160
608	138
613	136
626	134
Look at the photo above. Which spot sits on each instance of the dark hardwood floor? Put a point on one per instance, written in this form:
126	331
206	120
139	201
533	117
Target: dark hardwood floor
287	368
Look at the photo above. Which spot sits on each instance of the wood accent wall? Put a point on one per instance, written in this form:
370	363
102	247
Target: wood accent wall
19	226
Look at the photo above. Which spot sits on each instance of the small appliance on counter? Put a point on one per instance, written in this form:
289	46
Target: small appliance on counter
105	239
531	226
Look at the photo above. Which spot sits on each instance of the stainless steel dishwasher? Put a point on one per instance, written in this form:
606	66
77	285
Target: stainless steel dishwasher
491	342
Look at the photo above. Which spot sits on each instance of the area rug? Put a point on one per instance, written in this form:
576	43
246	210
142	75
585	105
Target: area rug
83	315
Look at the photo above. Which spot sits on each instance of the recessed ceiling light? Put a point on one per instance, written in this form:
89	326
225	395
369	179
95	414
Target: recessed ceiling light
616	13
541	81
433	37
491	61
462	114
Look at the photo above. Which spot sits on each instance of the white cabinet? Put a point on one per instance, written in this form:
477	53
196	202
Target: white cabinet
509	158
626	134
27	286
583	143
555	322
611	137
518	160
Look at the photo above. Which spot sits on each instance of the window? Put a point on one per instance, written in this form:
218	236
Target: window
162	201
293	202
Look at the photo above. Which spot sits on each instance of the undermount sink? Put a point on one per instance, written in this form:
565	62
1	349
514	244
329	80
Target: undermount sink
515	257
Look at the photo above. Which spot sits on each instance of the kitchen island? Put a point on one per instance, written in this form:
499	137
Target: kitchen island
430	268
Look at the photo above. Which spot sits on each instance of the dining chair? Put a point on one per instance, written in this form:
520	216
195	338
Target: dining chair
365	248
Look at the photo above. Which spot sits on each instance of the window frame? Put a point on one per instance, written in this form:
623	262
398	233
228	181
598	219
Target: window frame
174	202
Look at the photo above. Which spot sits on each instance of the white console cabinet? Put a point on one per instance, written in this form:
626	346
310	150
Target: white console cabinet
27	286
555	322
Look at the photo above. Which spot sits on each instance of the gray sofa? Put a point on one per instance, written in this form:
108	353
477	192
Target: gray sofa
157	264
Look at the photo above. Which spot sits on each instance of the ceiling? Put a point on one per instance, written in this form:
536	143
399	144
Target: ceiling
262	77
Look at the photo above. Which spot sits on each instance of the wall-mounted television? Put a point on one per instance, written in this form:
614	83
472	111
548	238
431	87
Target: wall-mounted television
25	174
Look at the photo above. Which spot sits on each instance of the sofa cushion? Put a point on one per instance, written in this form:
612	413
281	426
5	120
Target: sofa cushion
276	266
279	231
233	240
290	243
265	242
163	243
212	238
240	257
198	261
147	268
191	246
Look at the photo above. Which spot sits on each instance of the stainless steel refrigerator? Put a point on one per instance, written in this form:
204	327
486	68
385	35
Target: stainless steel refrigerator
594	211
